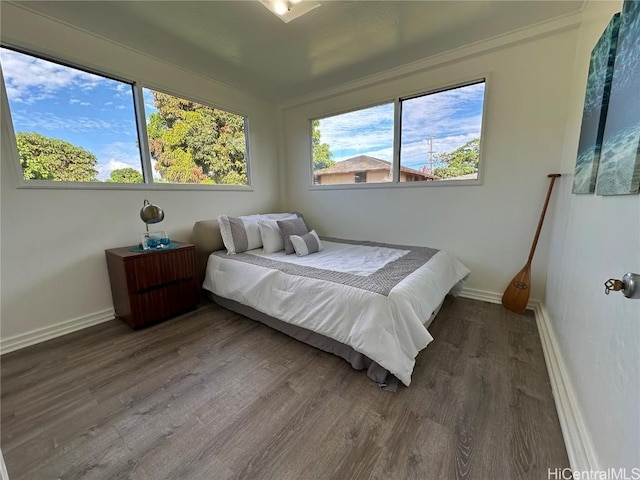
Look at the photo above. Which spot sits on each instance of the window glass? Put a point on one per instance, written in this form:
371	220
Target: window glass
354	147
440	135
194	143
70	125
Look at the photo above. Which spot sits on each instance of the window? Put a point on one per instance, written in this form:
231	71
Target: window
361	177
438	136
193	143
353	143
71	125
76	126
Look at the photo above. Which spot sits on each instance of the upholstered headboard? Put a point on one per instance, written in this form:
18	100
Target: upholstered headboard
206	237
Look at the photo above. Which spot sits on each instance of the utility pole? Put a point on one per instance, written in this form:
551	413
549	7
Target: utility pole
431	154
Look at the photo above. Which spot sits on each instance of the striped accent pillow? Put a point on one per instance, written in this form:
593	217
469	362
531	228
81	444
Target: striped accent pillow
306	244
239	234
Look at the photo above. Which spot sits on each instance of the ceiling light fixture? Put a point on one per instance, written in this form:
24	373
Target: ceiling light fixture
287	10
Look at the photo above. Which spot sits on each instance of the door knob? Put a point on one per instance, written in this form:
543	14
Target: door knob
628	285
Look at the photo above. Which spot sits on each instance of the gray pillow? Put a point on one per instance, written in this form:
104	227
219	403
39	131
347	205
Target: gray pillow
293	226
306	244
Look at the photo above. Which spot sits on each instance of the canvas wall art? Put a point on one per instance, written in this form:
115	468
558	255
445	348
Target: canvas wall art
596	103
619	169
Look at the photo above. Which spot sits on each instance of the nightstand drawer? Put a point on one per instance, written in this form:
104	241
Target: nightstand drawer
155	269
158	304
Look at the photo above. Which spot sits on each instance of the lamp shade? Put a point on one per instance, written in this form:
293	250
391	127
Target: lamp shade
150	213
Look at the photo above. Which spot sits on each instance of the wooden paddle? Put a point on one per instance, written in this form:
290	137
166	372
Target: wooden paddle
516	295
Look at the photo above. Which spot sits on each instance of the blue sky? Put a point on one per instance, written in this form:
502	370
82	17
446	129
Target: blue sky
84	109
451	118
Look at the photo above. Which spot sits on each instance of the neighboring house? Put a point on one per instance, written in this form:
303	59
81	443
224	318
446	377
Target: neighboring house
365	169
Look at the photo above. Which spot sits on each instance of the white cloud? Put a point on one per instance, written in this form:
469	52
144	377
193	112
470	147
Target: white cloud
118	155
49	122
122	150
358	132
443	114
29	79
382	154
122	90
84	104
105	169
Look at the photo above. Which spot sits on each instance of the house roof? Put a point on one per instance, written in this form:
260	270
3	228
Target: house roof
363	163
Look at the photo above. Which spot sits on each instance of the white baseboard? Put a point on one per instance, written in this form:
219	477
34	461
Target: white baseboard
47	333
482	295
491	297
580	450
576	439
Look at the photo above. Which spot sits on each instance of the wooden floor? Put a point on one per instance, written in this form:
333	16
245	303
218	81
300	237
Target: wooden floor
212	395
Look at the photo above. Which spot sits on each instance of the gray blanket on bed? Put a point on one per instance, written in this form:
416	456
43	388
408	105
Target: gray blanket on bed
381	282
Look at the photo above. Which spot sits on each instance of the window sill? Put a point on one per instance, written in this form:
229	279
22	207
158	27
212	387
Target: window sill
358	186
51	185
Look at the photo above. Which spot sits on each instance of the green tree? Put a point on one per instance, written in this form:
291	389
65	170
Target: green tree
322	156
125	175
193	143
462	161
44	158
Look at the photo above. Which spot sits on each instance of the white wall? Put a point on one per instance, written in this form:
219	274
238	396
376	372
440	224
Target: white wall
596	238
489	227
53	266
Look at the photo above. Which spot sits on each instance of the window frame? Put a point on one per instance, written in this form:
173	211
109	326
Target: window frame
8	133
397	133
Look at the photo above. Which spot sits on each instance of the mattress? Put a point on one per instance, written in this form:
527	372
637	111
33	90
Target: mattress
372	297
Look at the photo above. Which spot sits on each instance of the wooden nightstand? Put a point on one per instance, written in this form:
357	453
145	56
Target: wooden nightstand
151	286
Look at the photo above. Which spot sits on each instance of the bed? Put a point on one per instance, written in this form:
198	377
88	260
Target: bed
369	303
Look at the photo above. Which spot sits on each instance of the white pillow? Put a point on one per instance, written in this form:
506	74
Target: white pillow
306	244
279	216
240	234
272	240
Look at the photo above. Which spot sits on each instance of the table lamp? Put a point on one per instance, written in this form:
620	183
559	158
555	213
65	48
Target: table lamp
150	213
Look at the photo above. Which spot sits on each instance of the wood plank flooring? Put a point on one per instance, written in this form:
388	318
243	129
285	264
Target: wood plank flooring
213	395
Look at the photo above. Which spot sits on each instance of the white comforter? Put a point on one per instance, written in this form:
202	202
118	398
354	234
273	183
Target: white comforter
387	329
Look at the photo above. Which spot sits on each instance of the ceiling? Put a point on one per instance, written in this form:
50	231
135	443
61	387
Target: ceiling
242	43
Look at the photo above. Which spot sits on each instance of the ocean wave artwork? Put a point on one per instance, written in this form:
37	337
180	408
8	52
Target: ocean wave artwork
596	104
619	170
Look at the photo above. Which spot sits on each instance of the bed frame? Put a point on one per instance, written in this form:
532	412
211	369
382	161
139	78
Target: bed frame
207	239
